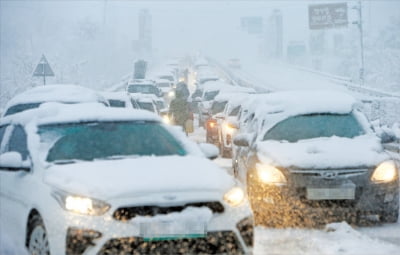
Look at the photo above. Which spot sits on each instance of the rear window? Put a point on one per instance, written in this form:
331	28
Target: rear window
116	103
21	107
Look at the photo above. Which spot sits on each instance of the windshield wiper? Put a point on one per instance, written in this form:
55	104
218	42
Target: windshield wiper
114	157
65	161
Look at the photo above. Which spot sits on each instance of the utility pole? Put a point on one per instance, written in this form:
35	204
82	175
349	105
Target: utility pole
359	23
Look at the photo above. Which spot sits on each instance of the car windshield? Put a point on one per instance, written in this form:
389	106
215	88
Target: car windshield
21	107
167	77
218	107
145	89
99	140
311	126
235	111
116	103
210	95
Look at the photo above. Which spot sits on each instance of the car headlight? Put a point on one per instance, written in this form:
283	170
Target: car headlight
171	94
166	119
234	196
81	205
229	129
270	174
385	172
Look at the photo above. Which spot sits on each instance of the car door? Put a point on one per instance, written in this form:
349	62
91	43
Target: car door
13	182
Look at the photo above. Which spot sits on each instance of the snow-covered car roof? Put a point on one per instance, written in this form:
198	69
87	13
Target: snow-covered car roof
278	106
140	82
118	95
49	113
64	93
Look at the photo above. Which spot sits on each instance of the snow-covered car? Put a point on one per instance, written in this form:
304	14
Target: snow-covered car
228	123
167	89
315	157
147	87
61	93
99	180
119	99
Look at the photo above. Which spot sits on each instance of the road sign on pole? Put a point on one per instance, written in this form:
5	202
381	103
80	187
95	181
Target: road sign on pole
43	69
322	16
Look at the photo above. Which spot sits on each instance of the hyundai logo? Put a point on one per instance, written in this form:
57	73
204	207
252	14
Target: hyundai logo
169	197
329	175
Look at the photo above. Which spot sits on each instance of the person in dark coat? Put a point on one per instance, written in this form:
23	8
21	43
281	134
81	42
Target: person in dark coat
179	111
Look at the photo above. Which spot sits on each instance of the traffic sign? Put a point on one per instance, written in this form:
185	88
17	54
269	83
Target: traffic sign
43	69
321	16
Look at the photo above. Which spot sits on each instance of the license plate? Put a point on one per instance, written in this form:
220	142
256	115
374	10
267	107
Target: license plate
330	194
169	230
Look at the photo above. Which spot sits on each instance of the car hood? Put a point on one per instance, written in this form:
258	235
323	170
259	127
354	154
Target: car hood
135	176
323	153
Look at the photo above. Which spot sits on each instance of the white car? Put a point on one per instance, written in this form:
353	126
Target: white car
119	99
99	180
61	93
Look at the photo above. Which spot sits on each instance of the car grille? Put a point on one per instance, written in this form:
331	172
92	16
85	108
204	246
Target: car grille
127	213
341	173
214	243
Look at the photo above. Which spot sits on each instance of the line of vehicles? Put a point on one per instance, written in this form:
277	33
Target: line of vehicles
118	180
304	157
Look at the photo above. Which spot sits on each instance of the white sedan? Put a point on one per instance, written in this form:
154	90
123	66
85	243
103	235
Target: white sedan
98	180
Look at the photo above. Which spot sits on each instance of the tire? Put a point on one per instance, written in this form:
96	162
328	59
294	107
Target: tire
38	242
390	216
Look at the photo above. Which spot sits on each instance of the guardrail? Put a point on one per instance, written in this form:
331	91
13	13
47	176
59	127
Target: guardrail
348	82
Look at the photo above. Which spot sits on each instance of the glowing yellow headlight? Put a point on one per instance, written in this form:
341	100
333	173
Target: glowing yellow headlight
385	172
166	119
171	94
79	204
270	174
234	196
229	129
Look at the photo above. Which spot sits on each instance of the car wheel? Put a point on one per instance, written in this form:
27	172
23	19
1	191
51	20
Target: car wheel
390	216
38	242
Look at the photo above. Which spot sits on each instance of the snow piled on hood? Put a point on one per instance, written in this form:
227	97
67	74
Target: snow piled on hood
323	153
142	175
336	238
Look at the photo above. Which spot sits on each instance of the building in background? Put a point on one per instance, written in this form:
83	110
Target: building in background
274	35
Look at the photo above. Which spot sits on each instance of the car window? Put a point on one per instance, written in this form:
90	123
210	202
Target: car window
311	126
210	95
18	142
218	107
88	141
146	89
20	108
146	106
116	103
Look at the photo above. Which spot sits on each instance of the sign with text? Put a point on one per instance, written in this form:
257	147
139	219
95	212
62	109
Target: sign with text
322	16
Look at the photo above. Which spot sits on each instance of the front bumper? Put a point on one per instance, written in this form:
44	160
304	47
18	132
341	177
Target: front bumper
80	234
291	202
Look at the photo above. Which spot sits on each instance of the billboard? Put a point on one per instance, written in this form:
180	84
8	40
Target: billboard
322	16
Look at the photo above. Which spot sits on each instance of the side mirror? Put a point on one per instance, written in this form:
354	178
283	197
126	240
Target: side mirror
220	116
241	140
387	137
210	150
13	160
